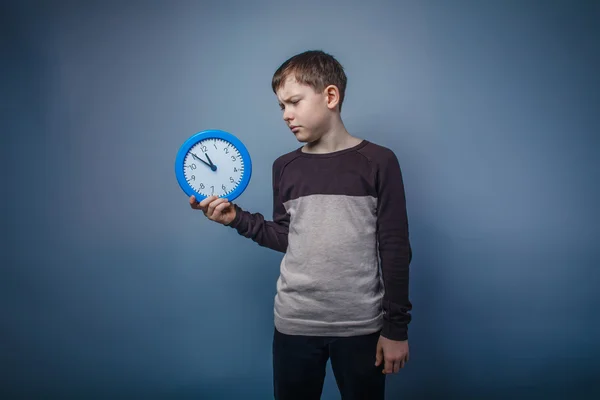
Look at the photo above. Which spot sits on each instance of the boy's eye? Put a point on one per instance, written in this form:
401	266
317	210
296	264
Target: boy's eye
293	102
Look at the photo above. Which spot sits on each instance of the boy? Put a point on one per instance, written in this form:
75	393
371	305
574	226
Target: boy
337	200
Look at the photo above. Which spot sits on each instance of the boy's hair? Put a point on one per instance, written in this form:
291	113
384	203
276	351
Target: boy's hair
314	68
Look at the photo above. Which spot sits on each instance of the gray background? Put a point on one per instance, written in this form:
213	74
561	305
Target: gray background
111	285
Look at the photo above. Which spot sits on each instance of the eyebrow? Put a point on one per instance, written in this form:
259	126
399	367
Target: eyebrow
290	98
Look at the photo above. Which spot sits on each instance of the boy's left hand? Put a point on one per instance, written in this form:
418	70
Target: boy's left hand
393	352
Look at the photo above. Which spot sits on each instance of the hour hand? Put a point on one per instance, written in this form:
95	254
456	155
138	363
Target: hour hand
208	158
212	166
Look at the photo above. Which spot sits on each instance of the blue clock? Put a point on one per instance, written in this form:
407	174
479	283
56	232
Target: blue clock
213	163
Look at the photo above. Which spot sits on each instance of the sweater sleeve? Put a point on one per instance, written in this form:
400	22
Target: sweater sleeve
271	234
394	247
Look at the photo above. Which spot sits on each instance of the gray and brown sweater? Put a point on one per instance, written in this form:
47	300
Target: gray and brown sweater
338	217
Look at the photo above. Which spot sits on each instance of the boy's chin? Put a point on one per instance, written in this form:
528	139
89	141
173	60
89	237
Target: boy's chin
305	138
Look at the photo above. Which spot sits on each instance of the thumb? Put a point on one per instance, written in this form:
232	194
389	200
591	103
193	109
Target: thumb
378	355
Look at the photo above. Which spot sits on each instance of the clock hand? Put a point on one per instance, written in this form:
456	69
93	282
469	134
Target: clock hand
212	166
201	160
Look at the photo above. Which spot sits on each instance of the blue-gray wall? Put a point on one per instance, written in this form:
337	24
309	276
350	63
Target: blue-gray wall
110	284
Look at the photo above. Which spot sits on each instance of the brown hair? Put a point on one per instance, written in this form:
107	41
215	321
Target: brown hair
314	68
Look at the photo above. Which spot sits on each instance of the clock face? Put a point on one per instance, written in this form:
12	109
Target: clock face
213	166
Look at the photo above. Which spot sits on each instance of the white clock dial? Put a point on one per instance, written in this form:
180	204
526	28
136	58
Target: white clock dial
213	167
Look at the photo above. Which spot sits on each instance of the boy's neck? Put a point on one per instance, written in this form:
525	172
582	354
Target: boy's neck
335	139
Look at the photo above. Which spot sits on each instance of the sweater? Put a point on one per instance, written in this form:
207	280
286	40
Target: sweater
340	219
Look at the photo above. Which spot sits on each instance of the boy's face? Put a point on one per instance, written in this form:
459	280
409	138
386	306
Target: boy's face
305	111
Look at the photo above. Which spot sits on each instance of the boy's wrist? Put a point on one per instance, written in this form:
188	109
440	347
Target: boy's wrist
392	332
236	218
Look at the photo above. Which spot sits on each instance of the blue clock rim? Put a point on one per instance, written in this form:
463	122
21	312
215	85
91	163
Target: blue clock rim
212	134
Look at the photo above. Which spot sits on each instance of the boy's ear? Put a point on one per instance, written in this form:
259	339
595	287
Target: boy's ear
332	94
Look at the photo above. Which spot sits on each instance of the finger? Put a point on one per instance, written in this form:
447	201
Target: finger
389	367
378	355
204	203
211	207
215	203
397	366
193	202
219	209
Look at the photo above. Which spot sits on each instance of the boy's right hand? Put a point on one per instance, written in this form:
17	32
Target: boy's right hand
216	209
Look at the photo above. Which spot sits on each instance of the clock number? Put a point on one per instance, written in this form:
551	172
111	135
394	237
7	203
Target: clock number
231	180
234	169
202	186
226	150
193	177
223	187
192	166
233	158
214	144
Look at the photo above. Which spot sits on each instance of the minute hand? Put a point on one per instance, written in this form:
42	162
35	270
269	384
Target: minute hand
201	160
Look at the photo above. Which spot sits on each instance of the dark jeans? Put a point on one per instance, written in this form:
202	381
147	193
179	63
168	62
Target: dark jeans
299	364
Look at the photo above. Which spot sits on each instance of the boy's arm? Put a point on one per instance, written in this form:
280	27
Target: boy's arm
271	234
394	248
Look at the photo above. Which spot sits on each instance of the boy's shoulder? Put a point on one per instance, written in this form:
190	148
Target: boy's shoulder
284	159
376	152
